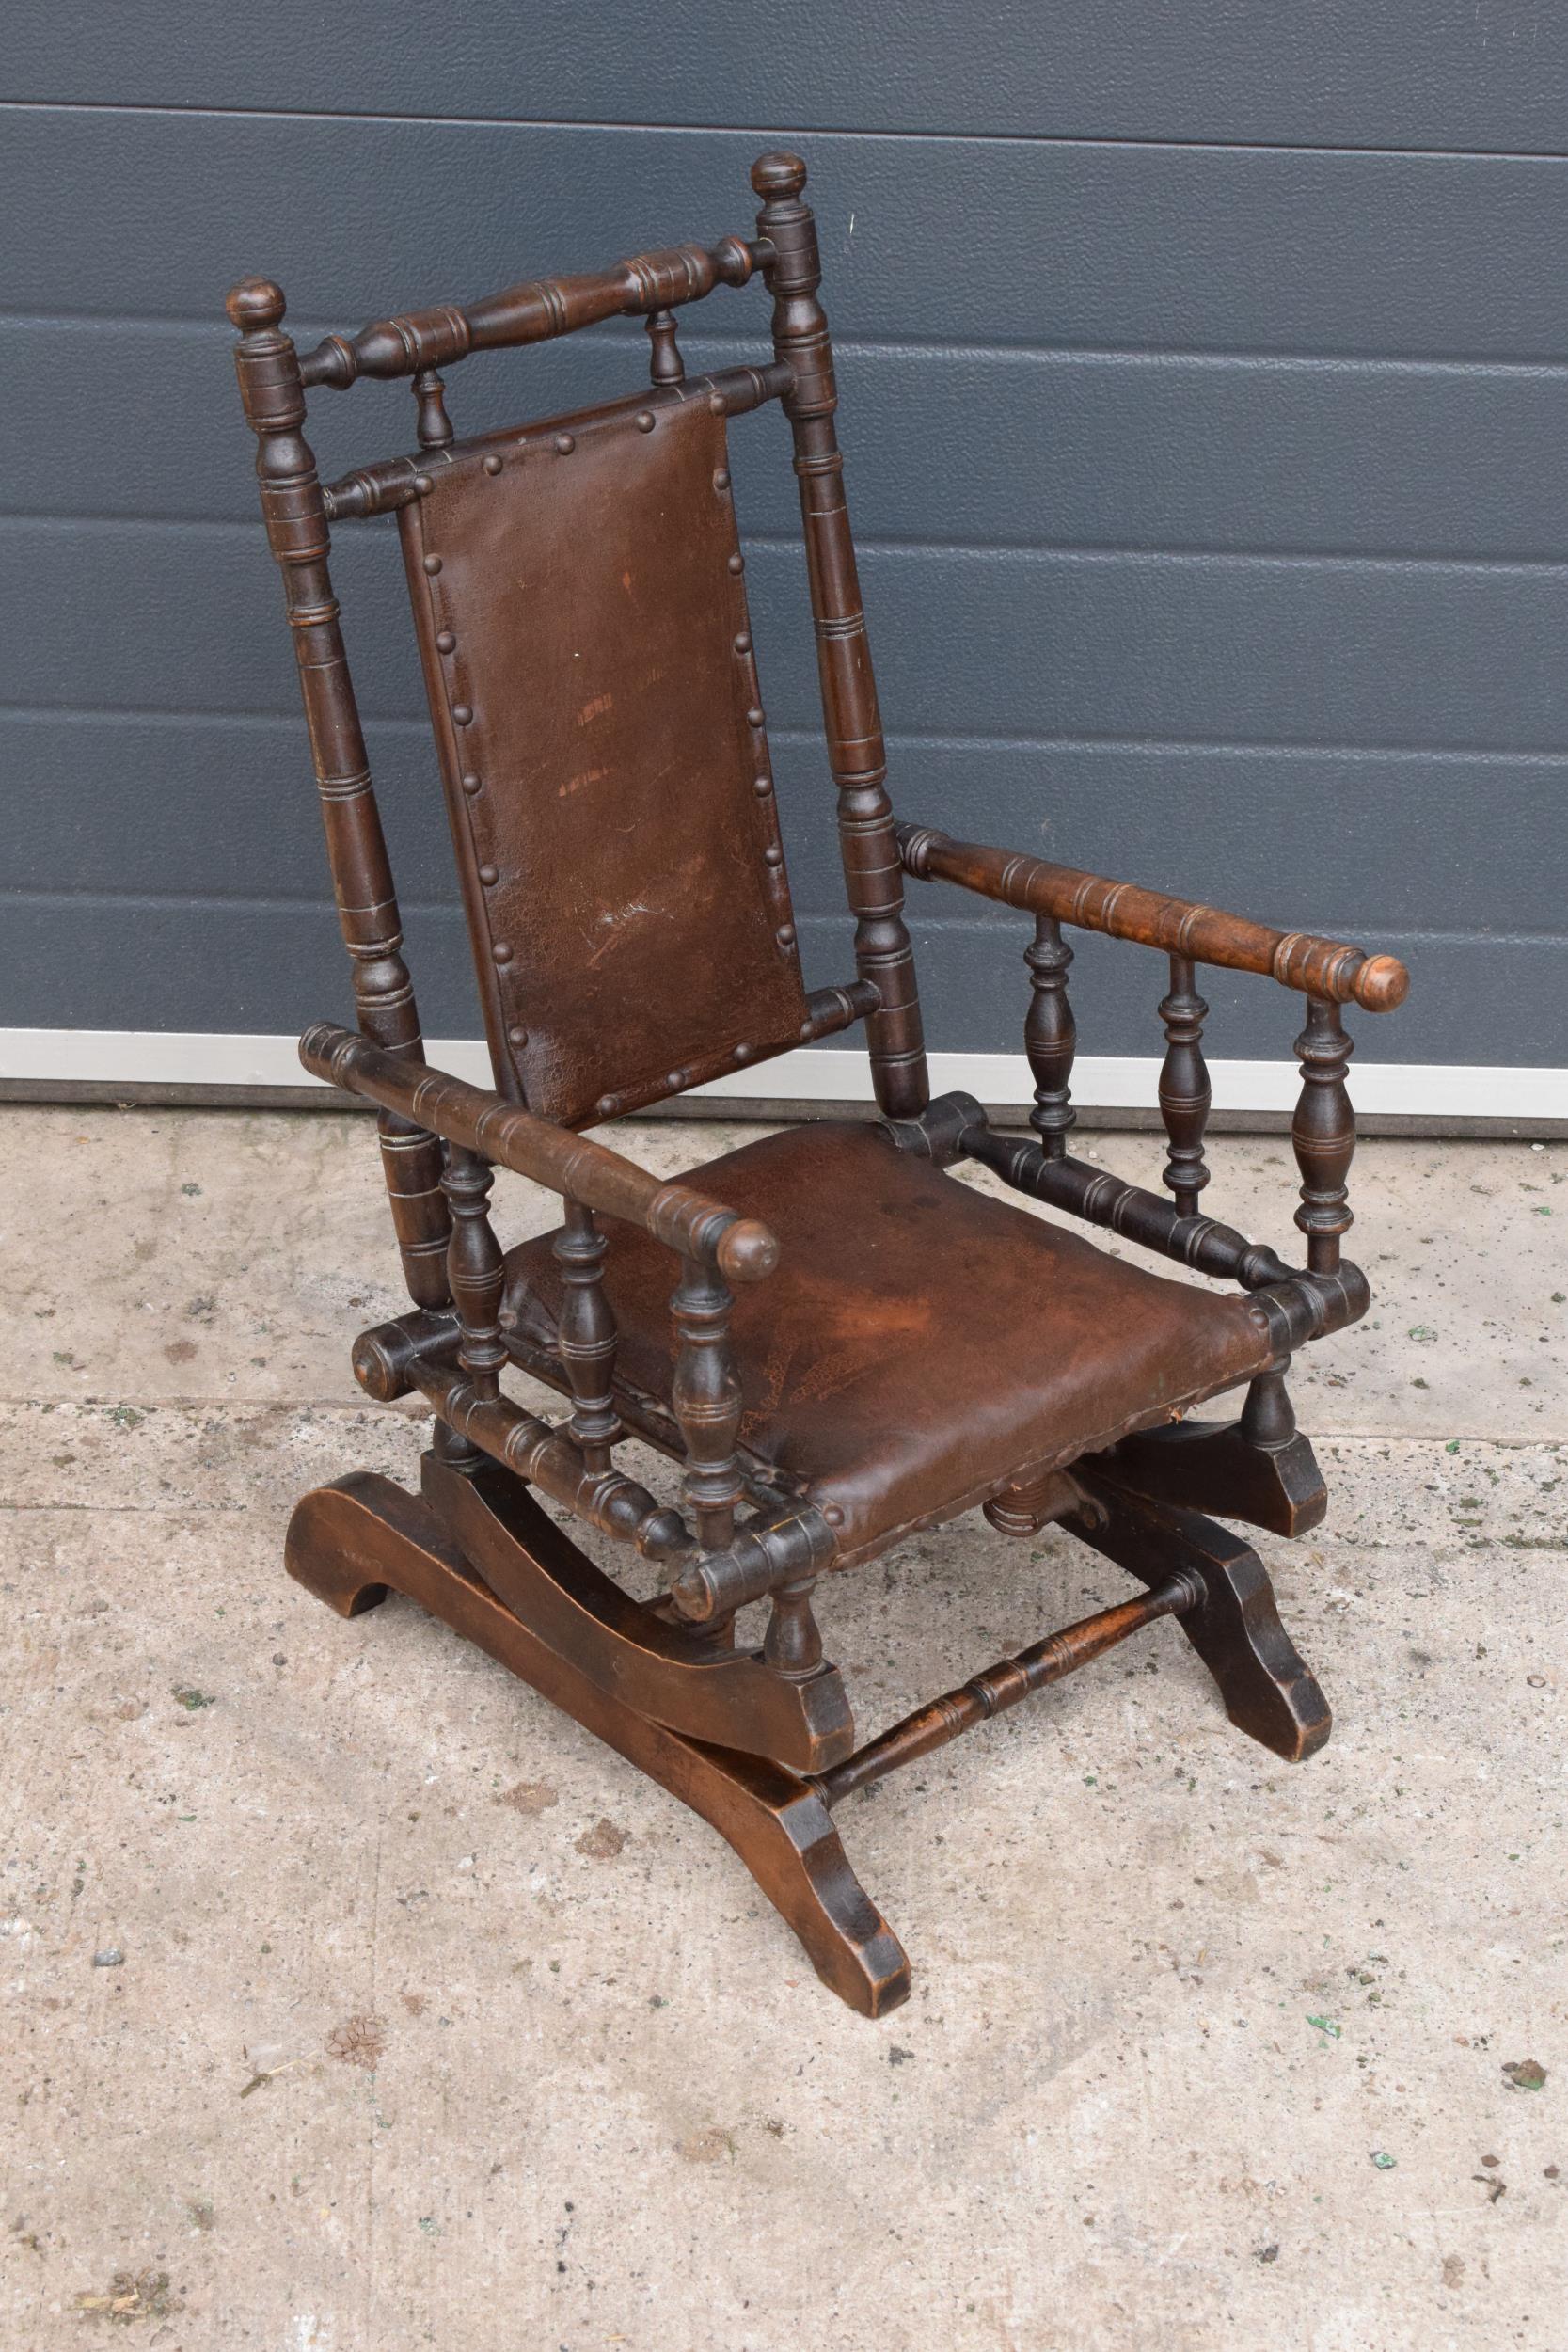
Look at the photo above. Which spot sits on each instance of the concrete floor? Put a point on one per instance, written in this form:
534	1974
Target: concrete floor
357	2001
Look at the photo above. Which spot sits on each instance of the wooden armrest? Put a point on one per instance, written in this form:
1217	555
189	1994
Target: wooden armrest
1324	968
741	1248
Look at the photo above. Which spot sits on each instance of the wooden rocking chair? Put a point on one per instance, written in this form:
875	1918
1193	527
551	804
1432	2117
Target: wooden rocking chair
838	1341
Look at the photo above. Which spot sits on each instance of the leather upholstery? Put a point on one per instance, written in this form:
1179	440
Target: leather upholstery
919	1344
581	615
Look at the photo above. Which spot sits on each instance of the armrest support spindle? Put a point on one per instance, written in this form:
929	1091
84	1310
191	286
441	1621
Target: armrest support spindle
587	1336
1051	1036
1184	1091
706	1394
475	1270
1324	1134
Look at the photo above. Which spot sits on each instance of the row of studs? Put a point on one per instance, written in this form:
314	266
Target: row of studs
473	784
762	779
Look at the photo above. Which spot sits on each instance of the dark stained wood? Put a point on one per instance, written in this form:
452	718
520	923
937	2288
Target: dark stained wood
706	1394
1324	1134
1051	1036
530	313
1184	1092
1005	1684
1235	1628
291	507
576	1166
675	1673
855	748
1227	1467
1318	967
354	1542
586	1335
823	1330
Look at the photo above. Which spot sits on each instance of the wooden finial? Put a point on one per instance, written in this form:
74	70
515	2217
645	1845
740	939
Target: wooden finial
254	305
778	176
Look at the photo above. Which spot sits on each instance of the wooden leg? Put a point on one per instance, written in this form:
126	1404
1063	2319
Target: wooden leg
1260	1469
351	1541
1264	1682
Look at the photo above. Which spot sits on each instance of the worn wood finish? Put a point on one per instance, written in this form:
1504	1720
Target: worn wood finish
1184	1092
1267	1689
1007	1684
823	1327
649	284
1051	1036
272	391
352	1543
855	747
1324	1134
1226	1467
1317	967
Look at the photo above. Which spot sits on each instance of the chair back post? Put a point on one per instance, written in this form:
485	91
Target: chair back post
298	533
872	872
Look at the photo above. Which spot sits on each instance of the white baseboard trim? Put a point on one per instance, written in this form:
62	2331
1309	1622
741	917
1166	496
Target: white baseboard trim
149	1057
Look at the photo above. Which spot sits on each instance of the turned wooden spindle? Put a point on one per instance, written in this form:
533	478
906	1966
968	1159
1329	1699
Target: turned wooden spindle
435	427
297	534
586	1336
475	1269
706	1395
1268	1416
793	1645
1184	1092
665	364
1051	1037
1324	1134
852	723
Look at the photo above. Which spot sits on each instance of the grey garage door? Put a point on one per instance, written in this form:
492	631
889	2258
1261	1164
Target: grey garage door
1205	379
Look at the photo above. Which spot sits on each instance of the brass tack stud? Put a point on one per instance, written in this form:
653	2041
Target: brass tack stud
423	485
772	855
721	479
675	1078
433	565
492	464
644	420
762	785
743	1052
564	444
501	952
608	1104
487	874
743	643
462	714
516	1037
833	1514
754	716
445	641
785	934
471	784
737	564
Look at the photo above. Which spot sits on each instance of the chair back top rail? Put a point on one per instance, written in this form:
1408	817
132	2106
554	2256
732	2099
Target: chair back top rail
1325	968
533	313
391	482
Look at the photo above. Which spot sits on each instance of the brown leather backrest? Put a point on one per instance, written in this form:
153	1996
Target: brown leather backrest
579	596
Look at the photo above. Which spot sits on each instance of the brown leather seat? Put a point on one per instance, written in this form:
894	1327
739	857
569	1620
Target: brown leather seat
920	1344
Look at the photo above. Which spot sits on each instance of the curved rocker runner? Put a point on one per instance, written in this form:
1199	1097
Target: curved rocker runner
836	1341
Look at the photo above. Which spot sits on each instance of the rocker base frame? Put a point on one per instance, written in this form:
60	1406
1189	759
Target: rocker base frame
473	1531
